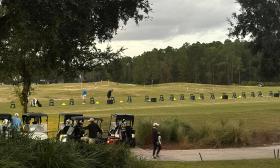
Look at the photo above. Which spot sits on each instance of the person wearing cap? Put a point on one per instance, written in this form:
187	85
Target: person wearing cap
156	140
16	122
93	129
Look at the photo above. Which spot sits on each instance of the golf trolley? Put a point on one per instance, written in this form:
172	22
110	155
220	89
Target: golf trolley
121	130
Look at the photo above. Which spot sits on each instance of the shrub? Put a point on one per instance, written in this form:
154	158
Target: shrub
222	134
23	152
174	131
171	131
201	133
9	164
143	133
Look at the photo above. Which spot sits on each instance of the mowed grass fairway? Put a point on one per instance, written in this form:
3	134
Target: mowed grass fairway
221	164
261	114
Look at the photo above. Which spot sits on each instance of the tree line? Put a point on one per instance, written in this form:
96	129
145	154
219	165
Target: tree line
211	63
230	62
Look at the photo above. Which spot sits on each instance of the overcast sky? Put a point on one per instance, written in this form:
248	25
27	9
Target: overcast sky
175	22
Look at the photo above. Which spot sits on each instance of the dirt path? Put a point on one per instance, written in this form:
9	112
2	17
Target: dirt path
210	154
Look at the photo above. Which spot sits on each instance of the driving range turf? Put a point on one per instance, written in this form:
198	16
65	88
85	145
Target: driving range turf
221	164
260	113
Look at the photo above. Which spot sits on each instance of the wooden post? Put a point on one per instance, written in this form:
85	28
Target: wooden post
200	156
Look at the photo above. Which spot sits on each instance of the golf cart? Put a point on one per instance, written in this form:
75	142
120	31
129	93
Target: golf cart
33	125
62	118
85	119
121	130
5	126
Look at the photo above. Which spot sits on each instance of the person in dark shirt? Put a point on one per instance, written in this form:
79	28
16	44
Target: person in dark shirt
93	129
63	132
66	128
109	93
78	131
156	141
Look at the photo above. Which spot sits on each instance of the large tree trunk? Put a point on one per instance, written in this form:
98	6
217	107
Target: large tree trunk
25	91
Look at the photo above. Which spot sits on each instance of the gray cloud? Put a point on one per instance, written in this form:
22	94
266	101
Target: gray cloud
171	18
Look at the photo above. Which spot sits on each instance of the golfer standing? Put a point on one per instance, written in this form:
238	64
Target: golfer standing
109	93
156	140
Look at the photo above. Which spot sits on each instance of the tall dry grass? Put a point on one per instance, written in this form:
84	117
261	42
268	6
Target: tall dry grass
217	135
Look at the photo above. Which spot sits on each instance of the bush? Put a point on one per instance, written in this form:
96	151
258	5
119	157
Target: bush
171	132
174	131
144	133
9	164
201	133
23	152
231	134
222	134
